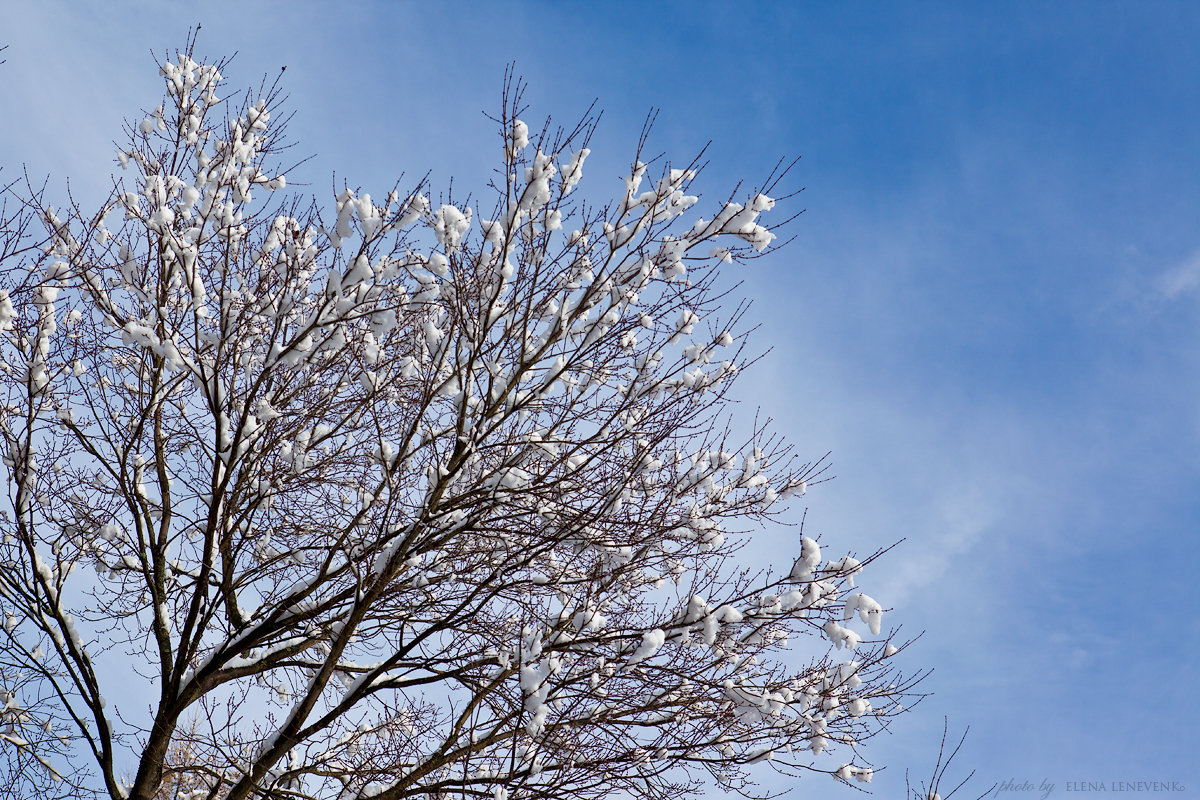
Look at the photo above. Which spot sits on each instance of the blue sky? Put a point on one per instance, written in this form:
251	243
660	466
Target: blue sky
990	312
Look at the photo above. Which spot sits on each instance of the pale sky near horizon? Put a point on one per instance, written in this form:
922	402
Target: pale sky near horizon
990	311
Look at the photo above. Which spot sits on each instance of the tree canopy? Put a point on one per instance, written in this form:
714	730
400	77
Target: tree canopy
402	497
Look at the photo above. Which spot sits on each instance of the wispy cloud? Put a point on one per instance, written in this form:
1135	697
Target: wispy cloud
963	522
1182	279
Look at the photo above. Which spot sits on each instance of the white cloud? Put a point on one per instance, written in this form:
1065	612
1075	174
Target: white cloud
1181	279
961	521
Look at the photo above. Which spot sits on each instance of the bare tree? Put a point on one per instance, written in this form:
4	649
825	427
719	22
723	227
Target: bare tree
411	500
183	767
932	789
28	739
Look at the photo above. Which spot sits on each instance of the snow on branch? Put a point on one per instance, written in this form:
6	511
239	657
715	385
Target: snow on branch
404	497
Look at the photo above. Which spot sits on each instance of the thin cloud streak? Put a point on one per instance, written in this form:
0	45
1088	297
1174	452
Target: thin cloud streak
1180	280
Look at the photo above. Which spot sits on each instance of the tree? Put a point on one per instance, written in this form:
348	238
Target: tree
27	738
404	501
181	778
931	789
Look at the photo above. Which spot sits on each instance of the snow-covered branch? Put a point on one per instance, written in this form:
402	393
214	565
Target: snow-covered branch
408	497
